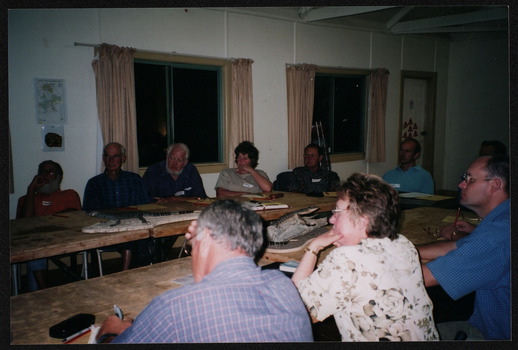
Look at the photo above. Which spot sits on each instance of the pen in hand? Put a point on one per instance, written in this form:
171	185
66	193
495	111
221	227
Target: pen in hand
118	312
456	219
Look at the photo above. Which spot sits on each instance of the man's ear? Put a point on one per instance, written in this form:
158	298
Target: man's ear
497	184
416	155
123	159
320	158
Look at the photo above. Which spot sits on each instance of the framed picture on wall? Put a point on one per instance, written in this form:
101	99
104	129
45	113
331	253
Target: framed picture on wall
52	138
50	101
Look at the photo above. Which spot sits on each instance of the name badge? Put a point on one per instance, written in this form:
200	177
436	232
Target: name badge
395	185
187	189
316	180
179	193
247	185
46	203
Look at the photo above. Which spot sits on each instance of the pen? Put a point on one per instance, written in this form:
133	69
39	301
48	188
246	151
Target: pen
118	311
456	218
76	335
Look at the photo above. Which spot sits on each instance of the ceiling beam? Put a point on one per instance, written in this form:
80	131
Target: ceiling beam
460	29
315	14
459	19
401	13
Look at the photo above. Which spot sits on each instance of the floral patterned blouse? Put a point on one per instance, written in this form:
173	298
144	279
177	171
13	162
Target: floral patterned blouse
375	291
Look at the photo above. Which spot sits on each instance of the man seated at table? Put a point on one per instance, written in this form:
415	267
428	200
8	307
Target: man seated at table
231	300
407	176
171	180
312	178
174	179
481	261
116	188
45	197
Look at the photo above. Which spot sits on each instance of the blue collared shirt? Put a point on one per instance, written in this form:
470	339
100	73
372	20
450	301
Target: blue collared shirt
482	263
102	193
236	302
415	179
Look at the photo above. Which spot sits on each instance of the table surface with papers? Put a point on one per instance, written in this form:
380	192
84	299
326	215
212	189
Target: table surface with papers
46	236
33	313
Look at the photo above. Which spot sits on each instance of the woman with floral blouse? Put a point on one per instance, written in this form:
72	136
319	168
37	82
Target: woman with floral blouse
372	282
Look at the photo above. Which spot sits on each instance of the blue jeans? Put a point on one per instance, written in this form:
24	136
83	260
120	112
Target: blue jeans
35	265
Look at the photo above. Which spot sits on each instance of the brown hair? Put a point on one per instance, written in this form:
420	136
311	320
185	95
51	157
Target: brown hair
371	197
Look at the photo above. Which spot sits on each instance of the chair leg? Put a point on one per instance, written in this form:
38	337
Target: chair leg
84	272
183	247
99	261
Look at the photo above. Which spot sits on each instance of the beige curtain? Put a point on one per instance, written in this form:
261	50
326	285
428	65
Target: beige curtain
242	107
115	85
300	82
376	134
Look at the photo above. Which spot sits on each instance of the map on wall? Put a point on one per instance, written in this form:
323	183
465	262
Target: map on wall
50	101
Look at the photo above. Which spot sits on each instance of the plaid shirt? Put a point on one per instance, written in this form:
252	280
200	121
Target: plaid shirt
103	193
236	302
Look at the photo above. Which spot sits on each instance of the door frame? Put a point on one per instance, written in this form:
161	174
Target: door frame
429	127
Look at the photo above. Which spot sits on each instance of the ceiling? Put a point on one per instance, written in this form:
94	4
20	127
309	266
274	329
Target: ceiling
444	21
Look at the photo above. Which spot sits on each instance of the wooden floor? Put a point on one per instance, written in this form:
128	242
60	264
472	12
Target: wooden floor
445	309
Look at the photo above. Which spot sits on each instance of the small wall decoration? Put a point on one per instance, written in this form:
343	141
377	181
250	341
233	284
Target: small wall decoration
52	138
50	101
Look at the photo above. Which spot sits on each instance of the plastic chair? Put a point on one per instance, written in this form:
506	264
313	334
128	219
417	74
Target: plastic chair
282	181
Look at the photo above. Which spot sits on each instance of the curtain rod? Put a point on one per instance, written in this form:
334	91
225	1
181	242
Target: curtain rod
231	59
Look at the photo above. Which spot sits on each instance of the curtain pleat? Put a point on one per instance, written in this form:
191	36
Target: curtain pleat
300	83
242	109
376	130
115	88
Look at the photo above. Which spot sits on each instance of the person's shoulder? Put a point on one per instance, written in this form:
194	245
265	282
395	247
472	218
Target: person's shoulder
156	167
68	192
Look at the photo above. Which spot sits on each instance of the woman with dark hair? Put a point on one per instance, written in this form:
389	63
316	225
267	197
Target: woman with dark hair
372	282
245	178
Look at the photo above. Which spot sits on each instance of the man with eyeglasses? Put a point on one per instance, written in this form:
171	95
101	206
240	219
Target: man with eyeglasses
115	188
408	176
232	300
481	261
45	197
312	178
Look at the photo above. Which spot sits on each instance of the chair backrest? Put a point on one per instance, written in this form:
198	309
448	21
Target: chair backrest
282	181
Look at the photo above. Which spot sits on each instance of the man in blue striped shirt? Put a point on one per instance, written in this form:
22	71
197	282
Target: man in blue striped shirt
231	300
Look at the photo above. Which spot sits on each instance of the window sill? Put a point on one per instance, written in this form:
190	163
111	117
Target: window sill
349	157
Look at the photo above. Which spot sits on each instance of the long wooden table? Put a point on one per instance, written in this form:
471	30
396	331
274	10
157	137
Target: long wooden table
49	236
33	313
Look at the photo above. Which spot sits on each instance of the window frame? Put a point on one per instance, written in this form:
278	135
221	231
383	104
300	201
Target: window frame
354	156
226	79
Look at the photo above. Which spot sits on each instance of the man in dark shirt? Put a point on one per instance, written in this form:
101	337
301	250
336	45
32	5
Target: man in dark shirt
115	188
311	178
174	179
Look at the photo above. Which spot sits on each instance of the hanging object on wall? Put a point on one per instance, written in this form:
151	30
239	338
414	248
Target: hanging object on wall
52	138
410	129
317	137
50	101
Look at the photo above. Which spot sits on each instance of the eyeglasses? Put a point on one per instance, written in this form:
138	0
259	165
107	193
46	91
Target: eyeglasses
115	157
46	171
336	210
468	179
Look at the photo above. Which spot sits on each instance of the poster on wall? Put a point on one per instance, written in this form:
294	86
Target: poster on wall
52	138
50	101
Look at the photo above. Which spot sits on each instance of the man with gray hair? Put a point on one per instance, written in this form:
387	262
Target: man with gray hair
174	179
231	300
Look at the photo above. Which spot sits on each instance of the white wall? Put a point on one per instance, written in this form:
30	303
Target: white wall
478	102
41	45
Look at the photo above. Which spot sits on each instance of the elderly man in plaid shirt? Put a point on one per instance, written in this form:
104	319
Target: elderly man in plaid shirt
231	300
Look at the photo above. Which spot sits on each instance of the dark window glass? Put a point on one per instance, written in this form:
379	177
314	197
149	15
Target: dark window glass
340	107
178	103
